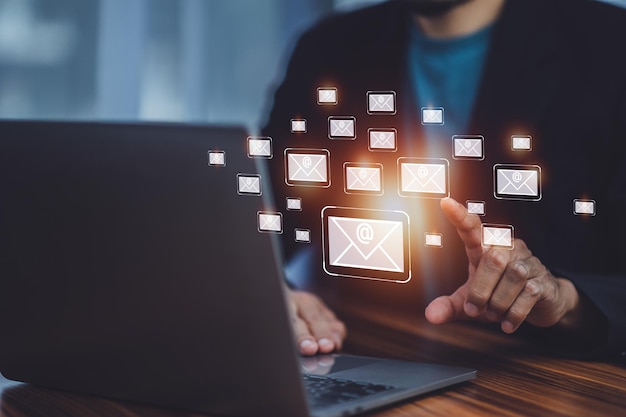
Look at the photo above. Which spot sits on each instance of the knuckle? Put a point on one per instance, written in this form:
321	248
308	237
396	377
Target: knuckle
478	295
495	260
518	271
521	246
532	289
498	306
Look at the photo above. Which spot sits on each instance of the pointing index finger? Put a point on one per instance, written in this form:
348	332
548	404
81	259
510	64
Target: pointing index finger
467	225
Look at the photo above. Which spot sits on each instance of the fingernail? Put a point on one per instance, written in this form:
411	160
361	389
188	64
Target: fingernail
307	344
471	309
507	326
325	343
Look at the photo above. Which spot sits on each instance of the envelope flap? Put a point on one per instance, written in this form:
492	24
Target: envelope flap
366	235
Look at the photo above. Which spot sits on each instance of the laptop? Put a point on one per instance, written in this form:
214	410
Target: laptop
132	268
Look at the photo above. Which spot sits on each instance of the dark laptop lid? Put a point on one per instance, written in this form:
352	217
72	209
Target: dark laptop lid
117	268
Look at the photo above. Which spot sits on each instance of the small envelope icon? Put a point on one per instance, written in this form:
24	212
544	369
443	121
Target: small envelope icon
521	143
423	179
326	95
584	207
249	184
497	235
381	102
298	126
363	178
476	207
259	147
303	235
518	181
270	222
434	240
341	127
366	243
384	140
294	203
217	158
432	115
307	168
468	147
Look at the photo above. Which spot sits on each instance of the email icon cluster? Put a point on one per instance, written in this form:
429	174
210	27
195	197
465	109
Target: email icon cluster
517	182
381	102
307	167
327	95
495	235
521	143
343	127
366	243
422	177
217	158
298	126
468	147
248	184
270	222
584	207
260	147
432	115
382	140
363	178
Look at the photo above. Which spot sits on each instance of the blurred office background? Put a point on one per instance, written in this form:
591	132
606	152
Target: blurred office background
172	60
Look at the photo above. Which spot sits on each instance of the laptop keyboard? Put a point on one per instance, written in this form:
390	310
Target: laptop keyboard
324	391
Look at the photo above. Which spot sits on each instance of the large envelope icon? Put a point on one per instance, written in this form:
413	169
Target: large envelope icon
303	167
383	139
270	222
432	115
497	236
423	178
341	128
522	182
468	147
366	244
381	102
363	179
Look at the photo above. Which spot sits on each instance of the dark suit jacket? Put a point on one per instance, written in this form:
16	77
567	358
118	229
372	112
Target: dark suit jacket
555	70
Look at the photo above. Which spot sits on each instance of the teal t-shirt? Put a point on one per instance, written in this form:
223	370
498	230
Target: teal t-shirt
446	73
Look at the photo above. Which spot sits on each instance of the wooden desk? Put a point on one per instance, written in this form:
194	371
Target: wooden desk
514	379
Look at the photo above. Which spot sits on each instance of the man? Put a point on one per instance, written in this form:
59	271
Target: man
543	70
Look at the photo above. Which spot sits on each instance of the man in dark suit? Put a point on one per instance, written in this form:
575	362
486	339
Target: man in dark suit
546	72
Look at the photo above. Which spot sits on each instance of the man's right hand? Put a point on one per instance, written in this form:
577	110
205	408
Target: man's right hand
316	328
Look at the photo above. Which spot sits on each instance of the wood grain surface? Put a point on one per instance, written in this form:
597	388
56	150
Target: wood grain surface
514	377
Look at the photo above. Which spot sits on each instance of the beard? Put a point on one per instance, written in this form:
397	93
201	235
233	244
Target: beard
431	8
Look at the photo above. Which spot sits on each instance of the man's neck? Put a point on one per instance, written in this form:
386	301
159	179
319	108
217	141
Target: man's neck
462	20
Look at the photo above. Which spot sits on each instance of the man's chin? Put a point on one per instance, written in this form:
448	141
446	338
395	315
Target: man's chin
431	8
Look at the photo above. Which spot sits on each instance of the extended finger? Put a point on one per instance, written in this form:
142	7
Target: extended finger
467	225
